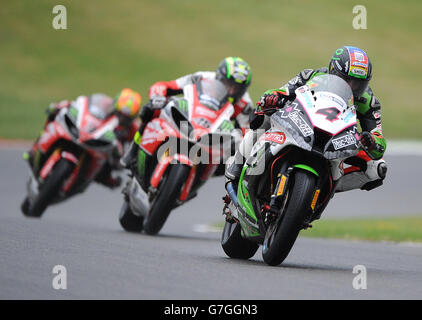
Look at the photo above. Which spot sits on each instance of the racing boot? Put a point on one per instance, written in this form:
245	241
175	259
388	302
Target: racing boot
32	155
129	158
362	173
234	164
233	170
29	156
106	178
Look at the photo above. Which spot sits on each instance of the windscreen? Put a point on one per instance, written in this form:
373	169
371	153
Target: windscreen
212	93
333	84
100	106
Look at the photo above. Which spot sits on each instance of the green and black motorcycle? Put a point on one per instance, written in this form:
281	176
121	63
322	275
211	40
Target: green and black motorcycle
292	171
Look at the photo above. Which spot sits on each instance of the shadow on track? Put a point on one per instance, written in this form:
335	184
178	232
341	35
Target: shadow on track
293	266
167	236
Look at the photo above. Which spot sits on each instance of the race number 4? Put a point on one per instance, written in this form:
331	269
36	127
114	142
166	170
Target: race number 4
331	114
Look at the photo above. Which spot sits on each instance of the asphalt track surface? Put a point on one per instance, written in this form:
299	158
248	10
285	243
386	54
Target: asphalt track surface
185	261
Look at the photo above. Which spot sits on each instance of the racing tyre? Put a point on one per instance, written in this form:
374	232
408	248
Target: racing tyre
234	245
168	192
278	244
128	220
50	189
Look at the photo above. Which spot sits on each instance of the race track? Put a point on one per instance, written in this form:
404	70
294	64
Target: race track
104	262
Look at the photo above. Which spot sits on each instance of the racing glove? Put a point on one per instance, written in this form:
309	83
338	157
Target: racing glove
55	107
112	182
269	100
272	100
151	109
157	102
367	141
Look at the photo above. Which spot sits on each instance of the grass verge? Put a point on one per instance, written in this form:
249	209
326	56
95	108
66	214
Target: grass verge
395	229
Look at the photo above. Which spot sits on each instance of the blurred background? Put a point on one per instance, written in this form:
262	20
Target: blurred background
109	45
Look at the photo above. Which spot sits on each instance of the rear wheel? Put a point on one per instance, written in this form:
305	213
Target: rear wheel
128	220
282	235
166	198
49	190
234	245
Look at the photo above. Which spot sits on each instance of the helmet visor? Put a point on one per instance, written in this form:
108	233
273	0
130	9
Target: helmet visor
124	120
235	90
358	86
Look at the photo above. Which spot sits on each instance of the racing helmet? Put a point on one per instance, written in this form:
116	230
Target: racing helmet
352	65
127	105
236	75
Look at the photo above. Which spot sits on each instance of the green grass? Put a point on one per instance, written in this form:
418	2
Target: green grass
395	229
110	45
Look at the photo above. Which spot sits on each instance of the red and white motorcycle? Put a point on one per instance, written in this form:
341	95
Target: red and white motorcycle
71	151
179	152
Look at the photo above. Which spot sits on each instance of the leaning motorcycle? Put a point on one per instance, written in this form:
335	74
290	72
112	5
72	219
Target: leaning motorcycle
72	149
292	171
179	151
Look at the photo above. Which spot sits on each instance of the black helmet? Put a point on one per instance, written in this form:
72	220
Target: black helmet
353	65
236	74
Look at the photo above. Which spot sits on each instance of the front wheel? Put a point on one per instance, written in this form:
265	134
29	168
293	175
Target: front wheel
234	245
281	237
49	190
128	220
166	198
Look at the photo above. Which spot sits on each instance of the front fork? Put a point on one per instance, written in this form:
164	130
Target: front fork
280	196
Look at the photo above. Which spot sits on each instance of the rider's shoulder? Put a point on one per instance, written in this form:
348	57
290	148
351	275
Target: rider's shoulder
367	101
366	97
319	71
195	77
204	75
308	74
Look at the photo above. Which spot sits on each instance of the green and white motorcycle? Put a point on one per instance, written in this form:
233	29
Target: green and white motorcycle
292	171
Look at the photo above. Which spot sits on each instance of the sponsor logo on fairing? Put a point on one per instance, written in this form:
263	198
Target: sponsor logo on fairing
300	123
276	137
344	141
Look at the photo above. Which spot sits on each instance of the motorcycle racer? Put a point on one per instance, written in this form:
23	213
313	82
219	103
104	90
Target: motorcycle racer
125	106
233	72
367	169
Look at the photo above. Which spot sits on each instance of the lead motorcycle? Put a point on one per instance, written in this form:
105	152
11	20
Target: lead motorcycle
292	171
72	149
179	152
